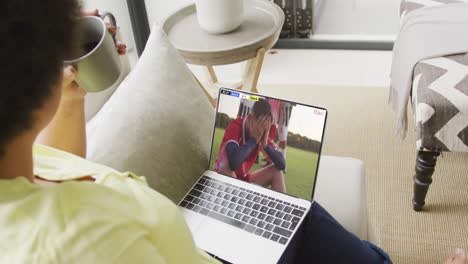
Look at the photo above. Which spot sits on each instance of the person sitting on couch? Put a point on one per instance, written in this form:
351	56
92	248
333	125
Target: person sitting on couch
57	207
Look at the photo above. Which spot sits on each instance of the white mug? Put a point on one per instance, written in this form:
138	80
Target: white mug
220	16
98	63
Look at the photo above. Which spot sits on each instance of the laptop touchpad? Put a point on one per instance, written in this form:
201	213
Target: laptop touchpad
235	245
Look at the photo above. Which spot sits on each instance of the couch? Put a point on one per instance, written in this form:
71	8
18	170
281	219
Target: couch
158	123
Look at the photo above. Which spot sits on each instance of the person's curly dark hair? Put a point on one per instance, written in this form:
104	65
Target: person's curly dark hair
36	37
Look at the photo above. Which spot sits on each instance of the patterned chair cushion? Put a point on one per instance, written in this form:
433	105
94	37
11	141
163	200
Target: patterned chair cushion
440	103
440	94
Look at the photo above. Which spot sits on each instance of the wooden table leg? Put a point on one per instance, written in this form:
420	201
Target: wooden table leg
249	81
211	74
252	71
207	93
213	85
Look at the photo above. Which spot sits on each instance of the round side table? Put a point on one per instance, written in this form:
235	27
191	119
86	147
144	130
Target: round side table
257	34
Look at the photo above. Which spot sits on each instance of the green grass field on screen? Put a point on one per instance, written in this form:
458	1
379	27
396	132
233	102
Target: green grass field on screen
300	167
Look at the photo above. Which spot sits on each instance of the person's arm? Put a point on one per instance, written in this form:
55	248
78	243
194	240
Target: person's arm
67	129
276	157
237	155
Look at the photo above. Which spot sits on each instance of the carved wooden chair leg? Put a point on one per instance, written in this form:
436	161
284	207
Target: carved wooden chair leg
425	166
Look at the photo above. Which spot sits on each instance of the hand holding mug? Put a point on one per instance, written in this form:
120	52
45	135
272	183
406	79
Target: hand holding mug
121	47
70	89
97	64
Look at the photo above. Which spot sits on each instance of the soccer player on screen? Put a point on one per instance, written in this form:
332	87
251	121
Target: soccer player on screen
243	140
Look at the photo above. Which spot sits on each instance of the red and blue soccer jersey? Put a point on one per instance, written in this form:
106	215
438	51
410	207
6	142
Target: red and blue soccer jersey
236	132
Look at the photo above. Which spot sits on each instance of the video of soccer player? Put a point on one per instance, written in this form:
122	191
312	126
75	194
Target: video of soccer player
269	142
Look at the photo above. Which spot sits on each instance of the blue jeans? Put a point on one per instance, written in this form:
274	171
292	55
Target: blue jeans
321	239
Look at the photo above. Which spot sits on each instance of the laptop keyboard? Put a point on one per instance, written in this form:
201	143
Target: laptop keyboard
250	211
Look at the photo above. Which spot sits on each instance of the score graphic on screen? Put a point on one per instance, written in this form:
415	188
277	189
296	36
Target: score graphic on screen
270	142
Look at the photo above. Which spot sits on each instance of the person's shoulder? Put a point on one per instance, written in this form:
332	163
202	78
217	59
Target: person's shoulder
82	197
75	220
236	124
115	192
57	218
233	130
57	165
239	120
137	214
106	217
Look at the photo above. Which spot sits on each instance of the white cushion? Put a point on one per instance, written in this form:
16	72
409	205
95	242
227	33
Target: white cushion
157	124
341	190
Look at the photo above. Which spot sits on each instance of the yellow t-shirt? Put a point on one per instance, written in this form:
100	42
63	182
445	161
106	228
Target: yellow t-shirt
116	219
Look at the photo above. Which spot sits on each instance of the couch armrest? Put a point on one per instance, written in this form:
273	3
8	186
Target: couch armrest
341	190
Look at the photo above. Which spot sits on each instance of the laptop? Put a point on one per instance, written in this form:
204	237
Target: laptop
248	210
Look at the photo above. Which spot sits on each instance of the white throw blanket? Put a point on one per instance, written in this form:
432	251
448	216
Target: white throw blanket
425	33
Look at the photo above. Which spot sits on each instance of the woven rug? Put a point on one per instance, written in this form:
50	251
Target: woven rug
361	125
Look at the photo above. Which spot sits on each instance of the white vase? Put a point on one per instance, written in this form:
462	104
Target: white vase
220	16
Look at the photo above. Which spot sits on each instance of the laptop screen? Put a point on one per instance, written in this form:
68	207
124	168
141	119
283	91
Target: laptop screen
267	141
